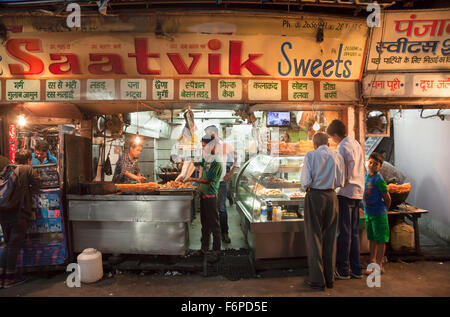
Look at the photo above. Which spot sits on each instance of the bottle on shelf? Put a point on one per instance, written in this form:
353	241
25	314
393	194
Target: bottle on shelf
269	210
263	216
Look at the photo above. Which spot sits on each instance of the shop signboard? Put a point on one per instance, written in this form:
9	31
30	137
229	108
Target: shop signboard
264	90
229	89
62	89
338	91
301	90
101	89
407	85
411	41
195	89
133	89
162	89
246	48
23	90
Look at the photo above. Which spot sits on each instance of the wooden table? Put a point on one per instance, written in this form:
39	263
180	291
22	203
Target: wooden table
413	215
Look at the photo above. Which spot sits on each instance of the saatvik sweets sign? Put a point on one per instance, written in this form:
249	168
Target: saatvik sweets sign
78	55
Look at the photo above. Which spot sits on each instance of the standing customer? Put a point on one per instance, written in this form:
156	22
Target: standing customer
15	222
230	163
209	188
350	196
376	204
322	173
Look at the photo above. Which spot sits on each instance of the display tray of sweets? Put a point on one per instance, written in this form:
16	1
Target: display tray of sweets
270	193
279	183
289	215
137	188
174	186
297	195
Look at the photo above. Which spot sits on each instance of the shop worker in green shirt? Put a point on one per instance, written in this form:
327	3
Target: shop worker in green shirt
209	189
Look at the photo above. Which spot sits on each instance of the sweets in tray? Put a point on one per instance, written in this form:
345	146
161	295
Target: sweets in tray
177	185
296	148
267	192
140	187
297	195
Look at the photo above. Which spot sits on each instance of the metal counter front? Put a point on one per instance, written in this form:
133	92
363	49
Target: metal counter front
131	224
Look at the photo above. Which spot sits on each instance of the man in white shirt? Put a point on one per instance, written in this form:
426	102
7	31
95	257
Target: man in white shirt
230	163
348	263
322	173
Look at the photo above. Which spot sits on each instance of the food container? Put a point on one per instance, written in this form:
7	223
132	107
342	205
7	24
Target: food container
91	266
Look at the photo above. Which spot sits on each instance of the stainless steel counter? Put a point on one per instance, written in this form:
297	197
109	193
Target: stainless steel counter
131	224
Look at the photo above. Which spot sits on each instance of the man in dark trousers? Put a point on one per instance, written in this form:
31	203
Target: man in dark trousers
209	189
15	222
322	173
348	263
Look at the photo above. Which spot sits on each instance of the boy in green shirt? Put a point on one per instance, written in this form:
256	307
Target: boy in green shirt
376	204
209	189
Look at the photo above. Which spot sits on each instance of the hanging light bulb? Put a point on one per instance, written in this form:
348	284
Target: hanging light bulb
21	120
316	126
137	139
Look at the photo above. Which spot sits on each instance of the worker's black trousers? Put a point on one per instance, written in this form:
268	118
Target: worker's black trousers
209	217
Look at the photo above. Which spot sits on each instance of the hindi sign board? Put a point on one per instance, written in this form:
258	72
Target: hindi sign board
133	89
411	41
100	89
384	85
229	89
300	90
162	89
264	89
23	90
62	89
195	89
338	91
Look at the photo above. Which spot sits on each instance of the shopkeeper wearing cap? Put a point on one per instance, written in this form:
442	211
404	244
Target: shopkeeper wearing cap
42	155
127	169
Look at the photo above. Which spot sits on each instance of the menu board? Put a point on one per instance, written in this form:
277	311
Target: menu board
195	89
338	91
301	90
229	89
62	89
162	89
23	90
133	89
100	89
264	89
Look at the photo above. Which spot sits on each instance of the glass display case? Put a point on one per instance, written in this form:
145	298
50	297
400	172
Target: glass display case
276	179
271	179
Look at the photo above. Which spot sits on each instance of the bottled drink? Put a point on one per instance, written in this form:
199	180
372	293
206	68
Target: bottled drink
269	210
263	216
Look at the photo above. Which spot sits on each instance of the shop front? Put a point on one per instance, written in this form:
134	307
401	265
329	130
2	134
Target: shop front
267	82
407	82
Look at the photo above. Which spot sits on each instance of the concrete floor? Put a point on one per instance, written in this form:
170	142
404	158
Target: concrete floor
401	279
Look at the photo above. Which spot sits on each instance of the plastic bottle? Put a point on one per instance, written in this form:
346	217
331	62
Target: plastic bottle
263	216
269	210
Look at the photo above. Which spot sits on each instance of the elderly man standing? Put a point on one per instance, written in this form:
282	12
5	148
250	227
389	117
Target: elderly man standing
322	173
348	263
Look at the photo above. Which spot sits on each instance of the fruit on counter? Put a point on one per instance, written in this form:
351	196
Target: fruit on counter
140	187
298	195
176	185
399	189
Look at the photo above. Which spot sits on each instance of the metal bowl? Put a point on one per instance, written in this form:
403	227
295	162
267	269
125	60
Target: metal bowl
397	199
166	177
